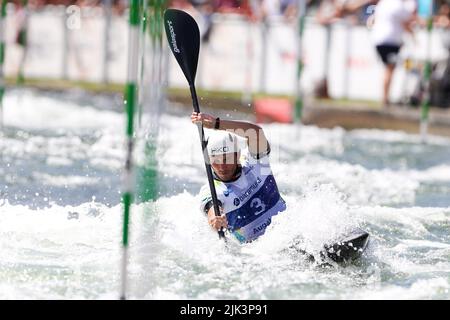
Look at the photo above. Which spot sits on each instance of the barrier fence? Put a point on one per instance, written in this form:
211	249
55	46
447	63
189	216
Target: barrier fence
240	56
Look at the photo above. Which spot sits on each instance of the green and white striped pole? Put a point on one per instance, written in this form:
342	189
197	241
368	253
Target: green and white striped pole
2	57
152	98
160	6
427	75
143	22
130	106
23	40
299	94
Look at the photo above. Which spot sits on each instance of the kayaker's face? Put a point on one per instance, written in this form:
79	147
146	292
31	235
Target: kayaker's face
225	165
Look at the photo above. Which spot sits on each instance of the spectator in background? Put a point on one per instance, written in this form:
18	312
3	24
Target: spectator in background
119	7
269	8
440	83
231	6
241	7
392	19
289	9
20	20
206	9
425	8
442	19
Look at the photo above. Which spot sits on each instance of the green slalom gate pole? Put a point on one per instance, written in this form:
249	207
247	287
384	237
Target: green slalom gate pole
143	19
2	56
146	171
130	106
299	94
158	27
23	40
427	75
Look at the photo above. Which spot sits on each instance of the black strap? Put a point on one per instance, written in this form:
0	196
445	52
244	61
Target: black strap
209	205
217	124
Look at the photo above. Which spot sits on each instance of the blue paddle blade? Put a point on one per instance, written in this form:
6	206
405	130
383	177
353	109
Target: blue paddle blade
183	36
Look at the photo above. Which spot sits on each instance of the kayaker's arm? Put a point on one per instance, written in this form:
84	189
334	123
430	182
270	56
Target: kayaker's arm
256	139
217	222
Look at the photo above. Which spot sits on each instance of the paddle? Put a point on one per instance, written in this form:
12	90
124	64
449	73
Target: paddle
183	36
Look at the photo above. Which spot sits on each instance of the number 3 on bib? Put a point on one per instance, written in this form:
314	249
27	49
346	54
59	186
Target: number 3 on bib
258	205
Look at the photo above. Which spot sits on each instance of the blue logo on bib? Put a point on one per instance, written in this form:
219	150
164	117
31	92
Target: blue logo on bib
236	201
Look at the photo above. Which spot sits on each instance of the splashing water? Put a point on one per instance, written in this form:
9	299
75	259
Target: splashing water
61	217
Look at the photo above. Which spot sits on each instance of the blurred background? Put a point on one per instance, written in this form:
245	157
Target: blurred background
250	48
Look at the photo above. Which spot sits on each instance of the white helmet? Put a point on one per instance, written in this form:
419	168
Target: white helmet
222	142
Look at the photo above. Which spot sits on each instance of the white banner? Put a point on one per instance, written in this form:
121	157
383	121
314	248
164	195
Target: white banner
232	60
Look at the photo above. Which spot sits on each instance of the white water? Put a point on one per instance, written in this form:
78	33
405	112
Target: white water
61	217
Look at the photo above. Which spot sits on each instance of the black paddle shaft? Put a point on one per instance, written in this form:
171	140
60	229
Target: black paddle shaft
206	158
183	36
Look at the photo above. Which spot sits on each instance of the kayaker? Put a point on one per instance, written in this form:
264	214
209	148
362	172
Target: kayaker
246	189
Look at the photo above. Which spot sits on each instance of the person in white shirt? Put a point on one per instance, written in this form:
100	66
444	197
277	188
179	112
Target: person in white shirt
392	19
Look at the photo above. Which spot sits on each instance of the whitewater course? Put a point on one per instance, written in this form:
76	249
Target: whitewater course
61	167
